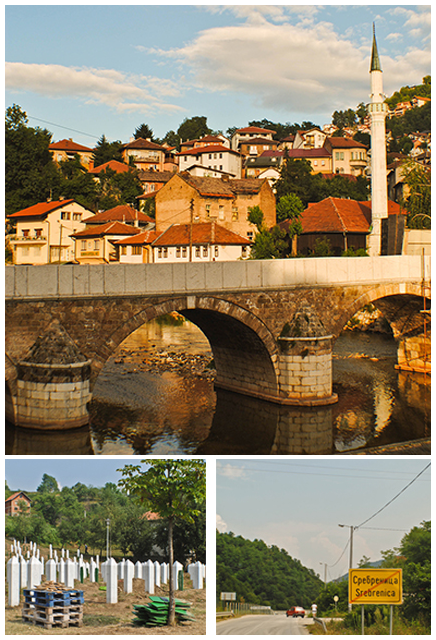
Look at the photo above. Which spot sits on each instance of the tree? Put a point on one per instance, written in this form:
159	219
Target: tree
77	183
48	484
418	201
105	151
118	188
30	173
193	128
171	139
143	131
172	488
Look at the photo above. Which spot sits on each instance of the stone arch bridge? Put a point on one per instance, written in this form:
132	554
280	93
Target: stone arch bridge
271	324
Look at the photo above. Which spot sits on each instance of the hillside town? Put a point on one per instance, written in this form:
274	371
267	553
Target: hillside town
200	200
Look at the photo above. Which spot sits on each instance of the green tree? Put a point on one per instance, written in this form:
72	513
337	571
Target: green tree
30	173
189	537
268	243
144	131
193	128
172	139
49	484
118	188
105	151
172	488
77	183
417	202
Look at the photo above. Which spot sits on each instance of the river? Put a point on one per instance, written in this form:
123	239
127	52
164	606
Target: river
156	396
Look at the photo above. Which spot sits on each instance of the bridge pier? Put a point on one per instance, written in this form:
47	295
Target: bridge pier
305	362
52	386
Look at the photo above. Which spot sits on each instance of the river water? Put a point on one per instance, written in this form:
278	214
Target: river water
156	396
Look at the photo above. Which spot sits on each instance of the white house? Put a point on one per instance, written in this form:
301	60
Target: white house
43	231
213	157
199	242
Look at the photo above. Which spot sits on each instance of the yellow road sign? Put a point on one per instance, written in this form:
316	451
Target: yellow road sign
375	586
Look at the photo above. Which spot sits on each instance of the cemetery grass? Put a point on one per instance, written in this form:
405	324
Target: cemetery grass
100	618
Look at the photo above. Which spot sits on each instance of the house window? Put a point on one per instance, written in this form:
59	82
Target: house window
250	235
185	158
214	156
235	214
315	162
178	252
184	252
38	233
83	245
165	252
124	251
221	167
77	216
26	233
205	251
210	156
65	215
96	245
221	155
136	250
217	252
323	162
197	252
208	210
244	252
159	252
25	251
221	212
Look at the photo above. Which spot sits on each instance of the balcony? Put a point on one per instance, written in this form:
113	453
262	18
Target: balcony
27	239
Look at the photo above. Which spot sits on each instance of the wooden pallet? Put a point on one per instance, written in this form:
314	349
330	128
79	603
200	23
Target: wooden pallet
49	617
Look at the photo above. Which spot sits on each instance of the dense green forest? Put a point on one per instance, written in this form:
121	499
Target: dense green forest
263	575
75	516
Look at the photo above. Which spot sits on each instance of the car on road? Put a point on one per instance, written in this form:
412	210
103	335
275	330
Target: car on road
295	612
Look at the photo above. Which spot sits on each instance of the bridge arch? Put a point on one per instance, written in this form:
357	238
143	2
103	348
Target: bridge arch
244	349
400	304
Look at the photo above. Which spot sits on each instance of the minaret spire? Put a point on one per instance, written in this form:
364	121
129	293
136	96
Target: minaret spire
377	110
375	60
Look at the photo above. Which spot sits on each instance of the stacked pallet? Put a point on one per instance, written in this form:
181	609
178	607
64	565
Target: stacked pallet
53	605
155	614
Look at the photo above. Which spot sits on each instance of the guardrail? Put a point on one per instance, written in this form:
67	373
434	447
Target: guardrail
321	622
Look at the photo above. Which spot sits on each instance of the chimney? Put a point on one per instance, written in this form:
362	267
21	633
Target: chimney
90	165
225	178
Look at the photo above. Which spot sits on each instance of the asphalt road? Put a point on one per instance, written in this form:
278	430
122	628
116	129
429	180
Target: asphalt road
262	625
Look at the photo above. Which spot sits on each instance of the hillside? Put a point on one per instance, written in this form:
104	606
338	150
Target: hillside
263	575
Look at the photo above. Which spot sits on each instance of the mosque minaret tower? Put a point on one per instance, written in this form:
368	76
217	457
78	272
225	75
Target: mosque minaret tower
377	110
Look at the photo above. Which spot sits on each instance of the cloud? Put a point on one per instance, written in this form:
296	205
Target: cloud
229	471
220	524
95	86
295	67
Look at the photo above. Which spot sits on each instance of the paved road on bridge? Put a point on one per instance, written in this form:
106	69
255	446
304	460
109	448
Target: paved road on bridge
262	625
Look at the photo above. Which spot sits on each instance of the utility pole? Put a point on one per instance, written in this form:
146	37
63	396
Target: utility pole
351	527
191	207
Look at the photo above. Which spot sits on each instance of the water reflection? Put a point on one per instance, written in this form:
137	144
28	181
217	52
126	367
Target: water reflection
137	412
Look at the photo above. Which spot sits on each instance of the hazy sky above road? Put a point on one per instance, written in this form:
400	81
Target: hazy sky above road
298	504
82	70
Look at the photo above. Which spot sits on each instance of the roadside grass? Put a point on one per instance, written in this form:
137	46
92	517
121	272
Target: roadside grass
400	628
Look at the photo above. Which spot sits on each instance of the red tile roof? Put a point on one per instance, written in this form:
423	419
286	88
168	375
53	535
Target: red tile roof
108	229
145	237
121	213
259	141
344	143
202	233
254	130
68	145
320	152
114	165
140	143
338	215
41	209
212	148
16	494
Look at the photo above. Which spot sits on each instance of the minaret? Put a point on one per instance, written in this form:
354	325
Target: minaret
379	191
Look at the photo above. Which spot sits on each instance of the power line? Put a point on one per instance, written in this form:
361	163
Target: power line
394	498
54	124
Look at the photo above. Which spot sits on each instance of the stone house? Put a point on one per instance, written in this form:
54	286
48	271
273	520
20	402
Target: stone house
94	245
187	198
146	155
13	506
199	242
43	231
67	149
152	181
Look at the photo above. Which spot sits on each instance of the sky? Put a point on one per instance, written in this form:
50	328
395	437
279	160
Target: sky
298	504
25	474
83	71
